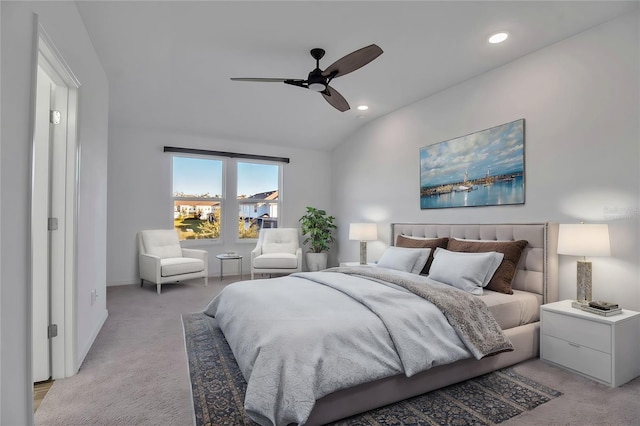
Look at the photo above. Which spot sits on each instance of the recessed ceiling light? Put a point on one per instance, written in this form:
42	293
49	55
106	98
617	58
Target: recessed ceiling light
498	37
363	107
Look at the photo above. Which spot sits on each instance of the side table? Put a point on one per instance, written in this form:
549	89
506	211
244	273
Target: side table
605	349
230	256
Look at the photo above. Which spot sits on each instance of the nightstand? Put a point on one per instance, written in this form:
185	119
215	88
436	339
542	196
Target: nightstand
605	349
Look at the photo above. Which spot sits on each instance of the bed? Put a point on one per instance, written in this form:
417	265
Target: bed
250	320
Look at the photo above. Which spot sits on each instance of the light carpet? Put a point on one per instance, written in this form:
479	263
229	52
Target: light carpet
136	372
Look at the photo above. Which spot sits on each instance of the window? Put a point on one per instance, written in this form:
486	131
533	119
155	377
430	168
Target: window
198	197
203	191
258	195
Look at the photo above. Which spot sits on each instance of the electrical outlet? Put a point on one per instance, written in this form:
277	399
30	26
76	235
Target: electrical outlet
94	296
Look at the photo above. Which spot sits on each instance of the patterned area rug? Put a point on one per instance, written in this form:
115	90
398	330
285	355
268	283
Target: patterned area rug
218	389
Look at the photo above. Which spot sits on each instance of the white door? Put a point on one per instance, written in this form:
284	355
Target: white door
55	165
40	213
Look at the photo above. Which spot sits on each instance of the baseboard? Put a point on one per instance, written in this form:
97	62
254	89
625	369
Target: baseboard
94	335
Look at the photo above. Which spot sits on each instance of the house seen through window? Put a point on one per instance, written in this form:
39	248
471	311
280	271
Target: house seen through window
205	199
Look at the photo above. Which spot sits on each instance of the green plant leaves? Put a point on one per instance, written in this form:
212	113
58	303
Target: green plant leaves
318	227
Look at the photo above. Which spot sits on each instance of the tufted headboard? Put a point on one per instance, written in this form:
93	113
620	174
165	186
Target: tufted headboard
537	271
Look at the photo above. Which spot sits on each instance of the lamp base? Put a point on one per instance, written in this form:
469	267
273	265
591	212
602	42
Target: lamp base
578	304
584	281
363	252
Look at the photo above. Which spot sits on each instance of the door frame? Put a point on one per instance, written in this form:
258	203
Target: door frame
63	286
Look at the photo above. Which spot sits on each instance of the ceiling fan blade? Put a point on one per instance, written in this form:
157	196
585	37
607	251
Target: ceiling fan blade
298	82
264	80
335	99
352	61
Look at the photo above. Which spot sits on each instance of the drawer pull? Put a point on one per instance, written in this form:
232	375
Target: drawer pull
574	344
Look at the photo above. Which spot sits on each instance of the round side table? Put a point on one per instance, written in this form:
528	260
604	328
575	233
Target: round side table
230	256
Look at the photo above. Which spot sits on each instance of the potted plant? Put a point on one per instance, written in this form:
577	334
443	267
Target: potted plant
318	228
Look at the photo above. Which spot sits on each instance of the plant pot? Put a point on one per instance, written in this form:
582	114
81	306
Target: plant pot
316	261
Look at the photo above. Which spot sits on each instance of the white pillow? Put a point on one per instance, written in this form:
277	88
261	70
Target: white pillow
466	271
421	260
404	259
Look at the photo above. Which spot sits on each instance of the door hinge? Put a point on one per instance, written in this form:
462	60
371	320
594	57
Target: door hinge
54	116
52	330
52	224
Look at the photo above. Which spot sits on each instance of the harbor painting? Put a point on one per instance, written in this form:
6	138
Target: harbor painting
481	169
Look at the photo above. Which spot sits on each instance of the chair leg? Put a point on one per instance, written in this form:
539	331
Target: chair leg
158	286
206	281
141	282
251	274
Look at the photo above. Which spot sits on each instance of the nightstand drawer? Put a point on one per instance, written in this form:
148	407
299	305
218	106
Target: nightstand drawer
579	358
587	333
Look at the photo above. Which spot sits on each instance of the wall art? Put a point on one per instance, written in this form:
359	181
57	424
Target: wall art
485	168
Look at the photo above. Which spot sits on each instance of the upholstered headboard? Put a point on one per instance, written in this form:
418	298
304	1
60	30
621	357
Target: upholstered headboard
537	271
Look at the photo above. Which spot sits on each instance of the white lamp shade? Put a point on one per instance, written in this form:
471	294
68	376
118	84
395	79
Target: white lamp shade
363	231
584	239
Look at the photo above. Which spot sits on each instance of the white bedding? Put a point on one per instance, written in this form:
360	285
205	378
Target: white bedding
512	310
297	340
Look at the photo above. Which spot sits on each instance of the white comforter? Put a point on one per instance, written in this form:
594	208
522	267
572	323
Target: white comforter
301	337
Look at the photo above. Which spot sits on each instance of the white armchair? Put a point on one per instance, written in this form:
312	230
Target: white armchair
278	251
162	259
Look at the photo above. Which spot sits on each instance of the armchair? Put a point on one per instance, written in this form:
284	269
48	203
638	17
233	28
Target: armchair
278	251
162	259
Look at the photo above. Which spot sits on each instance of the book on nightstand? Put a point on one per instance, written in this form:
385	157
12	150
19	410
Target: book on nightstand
603	312
605	306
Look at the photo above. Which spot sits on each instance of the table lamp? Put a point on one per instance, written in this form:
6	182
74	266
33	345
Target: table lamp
363	232
584	240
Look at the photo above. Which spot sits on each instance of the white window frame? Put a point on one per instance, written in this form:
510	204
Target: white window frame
229	202
222	199
278	202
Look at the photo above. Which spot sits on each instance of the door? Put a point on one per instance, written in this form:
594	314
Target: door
40	214
53	218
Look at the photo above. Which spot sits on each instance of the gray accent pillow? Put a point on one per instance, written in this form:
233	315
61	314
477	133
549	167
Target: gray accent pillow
467	271
404	259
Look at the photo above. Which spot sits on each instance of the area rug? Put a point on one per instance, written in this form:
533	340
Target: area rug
218	390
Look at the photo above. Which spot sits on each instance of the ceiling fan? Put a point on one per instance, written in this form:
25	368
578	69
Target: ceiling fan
319	80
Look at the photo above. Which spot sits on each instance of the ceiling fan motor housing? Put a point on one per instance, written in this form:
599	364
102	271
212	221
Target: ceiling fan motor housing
316	81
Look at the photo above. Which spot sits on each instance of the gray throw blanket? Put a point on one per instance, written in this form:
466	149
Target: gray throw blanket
468	315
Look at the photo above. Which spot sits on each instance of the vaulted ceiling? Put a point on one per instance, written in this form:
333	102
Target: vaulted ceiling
169	63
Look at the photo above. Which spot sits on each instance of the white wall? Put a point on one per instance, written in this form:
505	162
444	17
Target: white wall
580	102
1	238
63	24
140	192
